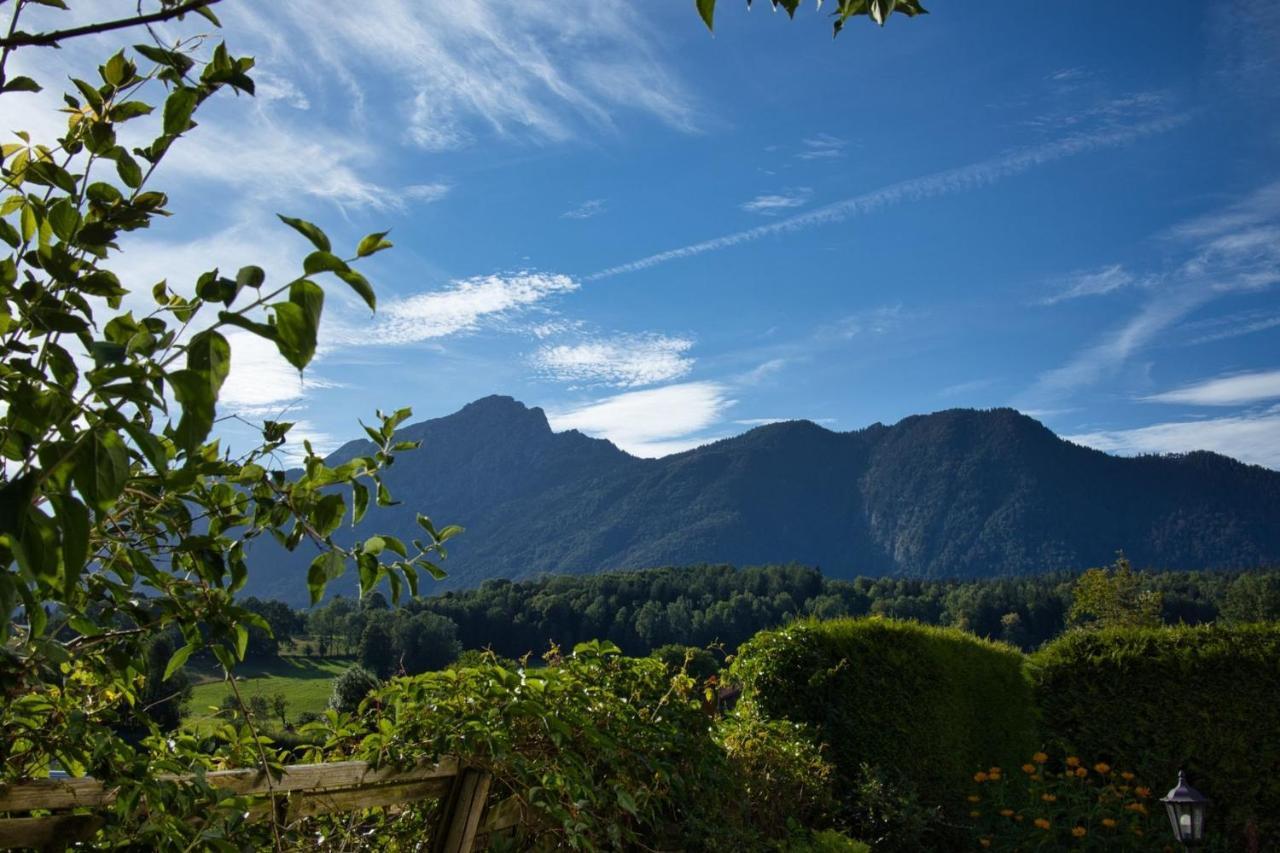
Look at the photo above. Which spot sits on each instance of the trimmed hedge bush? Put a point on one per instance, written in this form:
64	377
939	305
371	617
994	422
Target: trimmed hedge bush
1203	699
924	704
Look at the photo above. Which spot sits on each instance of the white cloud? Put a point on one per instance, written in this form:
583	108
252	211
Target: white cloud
466	70
654	422
464	305
770	204
623	361
1093	283
586	210
277	160
948	182
426	193
1234	250
822	147
872	321
1229	326
261	383
1251	438
1225	391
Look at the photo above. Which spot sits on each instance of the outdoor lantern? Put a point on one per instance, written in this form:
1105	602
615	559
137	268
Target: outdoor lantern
1186	807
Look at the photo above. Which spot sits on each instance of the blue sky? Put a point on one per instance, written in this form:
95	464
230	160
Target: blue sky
664	237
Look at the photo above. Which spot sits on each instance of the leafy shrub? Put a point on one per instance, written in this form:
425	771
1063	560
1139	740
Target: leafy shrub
700	664
350	688
604	752
1201	699
785	777
921	705
1065	804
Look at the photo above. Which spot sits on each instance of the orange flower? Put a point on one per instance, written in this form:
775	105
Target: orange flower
1079	831
975	814
1042	823
985	842
994	771
1072	761
1028	768
1142	791
1081	772
1137	807
974	798
1109	822
1102	767
979	777
1035	777
1039	758
1126	776
1006	812
1049	798
1019	818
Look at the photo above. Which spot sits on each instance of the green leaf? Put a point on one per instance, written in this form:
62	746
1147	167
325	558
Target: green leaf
101	468
177	660
298	322
178	108
360	285
242	640
323	569
323	262
128	170
21	84
250	276
375	243
374	545
306	229
359	502
73	521
707	9
129	109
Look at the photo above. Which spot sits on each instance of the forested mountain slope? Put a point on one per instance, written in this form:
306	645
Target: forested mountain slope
955	493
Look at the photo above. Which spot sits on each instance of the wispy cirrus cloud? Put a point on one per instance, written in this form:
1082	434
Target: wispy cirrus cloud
823	146
1234	390
464	305
653	422
622	361
947	182
1228	326
1234	250
586	210
464	71
1249	437
770	204
1092	283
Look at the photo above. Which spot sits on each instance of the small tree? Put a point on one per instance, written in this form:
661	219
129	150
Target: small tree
350	688
1114	597
376	652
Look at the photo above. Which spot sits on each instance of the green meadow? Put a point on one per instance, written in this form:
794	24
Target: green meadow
304	682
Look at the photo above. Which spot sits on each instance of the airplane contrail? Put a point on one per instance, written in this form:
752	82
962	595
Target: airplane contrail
946	182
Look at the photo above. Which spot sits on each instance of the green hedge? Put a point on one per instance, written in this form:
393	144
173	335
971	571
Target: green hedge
926	704
1156	700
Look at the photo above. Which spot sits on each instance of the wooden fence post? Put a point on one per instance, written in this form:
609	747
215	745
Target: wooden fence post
463	810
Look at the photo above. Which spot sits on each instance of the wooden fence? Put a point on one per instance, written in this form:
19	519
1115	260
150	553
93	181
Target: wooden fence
302	791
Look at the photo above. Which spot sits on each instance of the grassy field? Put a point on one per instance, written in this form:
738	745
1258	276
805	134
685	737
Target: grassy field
305	684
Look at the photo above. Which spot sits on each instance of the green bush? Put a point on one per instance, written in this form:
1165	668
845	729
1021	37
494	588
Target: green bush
922	705
1203	699
780	769
600	750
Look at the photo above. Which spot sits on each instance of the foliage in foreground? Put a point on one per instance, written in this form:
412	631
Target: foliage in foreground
1066	803
906	711
1200	699
600	751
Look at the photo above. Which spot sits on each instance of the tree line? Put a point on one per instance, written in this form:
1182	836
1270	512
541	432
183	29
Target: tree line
701	606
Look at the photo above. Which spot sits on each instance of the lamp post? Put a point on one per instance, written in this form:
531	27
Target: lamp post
1186	807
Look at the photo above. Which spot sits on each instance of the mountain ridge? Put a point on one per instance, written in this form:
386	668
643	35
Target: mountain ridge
959	492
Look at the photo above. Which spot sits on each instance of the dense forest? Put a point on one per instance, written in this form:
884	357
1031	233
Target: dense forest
644	610
958	493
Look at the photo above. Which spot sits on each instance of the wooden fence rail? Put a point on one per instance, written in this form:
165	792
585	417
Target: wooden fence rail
302	791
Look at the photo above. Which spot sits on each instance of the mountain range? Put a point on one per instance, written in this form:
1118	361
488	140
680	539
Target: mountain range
957	493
